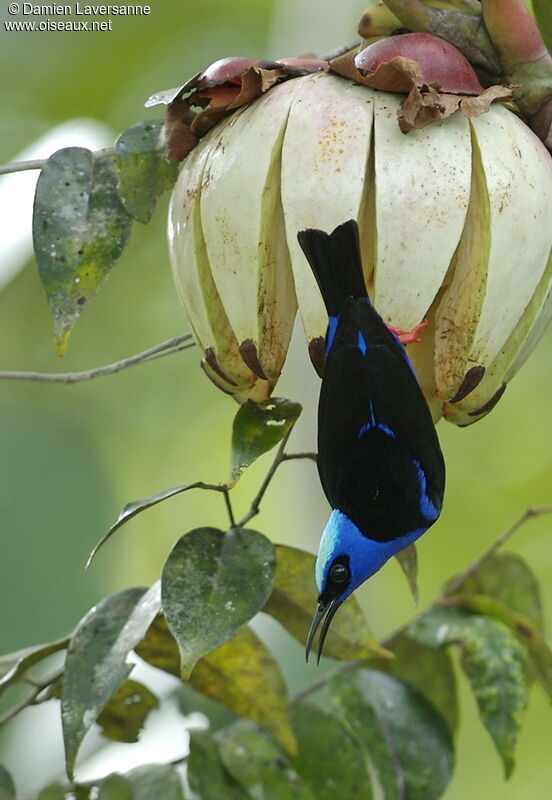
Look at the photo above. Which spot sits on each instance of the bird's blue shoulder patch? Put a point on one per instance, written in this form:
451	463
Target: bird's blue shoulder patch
330	334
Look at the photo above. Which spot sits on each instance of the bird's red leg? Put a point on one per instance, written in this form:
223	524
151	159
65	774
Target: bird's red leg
406	337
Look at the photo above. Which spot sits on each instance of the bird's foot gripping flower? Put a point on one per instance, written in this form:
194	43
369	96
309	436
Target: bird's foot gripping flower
455	217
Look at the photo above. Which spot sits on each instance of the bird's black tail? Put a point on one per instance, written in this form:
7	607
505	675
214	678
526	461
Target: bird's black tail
335	261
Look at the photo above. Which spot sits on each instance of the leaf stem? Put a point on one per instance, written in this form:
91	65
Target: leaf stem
21	166
226	492
167	348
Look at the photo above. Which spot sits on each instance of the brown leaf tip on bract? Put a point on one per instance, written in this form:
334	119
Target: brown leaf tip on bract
223	87
438	79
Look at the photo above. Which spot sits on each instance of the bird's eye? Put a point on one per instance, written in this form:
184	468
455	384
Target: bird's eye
339	573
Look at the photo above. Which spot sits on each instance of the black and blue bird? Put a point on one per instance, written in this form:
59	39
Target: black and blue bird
379	458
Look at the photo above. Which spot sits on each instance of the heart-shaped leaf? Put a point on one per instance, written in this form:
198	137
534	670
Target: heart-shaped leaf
213	582
293	602
258	427
80	229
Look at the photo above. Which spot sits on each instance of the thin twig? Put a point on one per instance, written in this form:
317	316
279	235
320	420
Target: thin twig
292	456
32	698
459	579
21	166
167	348
256	502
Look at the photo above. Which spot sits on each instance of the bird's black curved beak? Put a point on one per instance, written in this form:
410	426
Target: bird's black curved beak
324	611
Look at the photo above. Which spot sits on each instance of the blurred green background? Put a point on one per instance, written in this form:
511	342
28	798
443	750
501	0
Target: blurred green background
71	456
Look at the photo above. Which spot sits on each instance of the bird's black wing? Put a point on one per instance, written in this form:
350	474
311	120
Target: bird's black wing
379	455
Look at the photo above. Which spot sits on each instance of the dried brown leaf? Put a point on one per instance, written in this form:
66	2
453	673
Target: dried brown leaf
426	105
399	74
475	106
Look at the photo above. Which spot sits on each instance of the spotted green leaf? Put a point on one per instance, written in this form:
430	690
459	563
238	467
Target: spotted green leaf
293	602
206	774
258	427
143	171
522	628
243	675
123	717
383	713
258	764
331	761
96	663
213	582
495	663
80	229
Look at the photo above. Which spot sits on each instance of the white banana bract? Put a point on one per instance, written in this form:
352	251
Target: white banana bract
455	223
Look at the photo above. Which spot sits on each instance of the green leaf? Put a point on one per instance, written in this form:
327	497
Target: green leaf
143	172
115	787
258	427
132	509
123	717
155	781
544	20
206	775
80	229
383	713
521	627
13	666
507	577
96	665
408	559
428	670
331	761
243	675
54	791
7	786
258	765
495	664
293	602
159	647
212	584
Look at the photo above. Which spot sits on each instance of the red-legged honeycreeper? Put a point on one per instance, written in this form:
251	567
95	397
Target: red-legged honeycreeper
379	458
